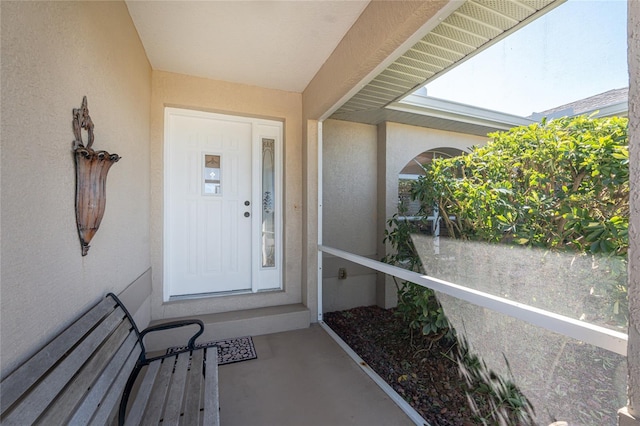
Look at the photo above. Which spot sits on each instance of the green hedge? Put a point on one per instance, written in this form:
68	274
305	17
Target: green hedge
558	184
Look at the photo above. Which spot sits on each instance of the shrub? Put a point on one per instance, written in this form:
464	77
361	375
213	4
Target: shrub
558	184
561	184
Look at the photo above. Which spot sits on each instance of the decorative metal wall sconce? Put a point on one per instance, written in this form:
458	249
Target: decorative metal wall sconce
91	177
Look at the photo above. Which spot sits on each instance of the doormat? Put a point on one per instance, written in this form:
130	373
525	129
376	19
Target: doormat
229	350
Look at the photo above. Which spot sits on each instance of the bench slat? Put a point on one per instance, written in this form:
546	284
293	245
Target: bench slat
87	408
108	409
193	390
153	413
175	397
14	385
30	408
79	378
142	397
84	380
211	404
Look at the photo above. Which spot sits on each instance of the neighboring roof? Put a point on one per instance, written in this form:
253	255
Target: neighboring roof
424	111
469	29
612	102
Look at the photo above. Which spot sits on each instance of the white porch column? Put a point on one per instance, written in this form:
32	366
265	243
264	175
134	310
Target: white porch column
630	415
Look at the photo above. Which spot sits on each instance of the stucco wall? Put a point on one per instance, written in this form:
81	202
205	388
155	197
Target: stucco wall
54	53
349	211
397	145
633	357
357	59
361	164
181	91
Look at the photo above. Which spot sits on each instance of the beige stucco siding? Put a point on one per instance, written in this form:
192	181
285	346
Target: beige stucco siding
349	186
397	145
633	350
404	142
181	91
361	164
348	211
54	53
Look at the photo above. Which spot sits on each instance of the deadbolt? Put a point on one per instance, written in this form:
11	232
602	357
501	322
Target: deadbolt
247	214
246	203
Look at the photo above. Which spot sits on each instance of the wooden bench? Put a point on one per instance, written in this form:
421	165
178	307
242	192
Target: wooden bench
87	373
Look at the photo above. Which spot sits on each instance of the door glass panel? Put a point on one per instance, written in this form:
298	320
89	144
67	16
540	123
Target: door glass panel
268	206
211	182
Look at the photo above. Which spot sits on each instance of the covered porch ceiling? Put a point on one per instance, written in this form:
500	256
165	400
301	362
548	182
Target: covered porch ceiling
282	45
273	44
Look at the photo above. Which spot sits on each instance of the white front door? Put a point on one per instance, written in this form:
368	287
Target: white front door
209	202
223	215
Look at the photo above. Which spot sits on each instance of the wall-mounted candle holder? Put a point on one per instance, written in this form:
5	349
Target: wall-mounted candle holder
91	177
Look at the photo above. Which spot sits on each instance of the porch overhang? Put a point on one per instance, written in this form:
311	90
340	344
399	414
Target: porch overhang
471	28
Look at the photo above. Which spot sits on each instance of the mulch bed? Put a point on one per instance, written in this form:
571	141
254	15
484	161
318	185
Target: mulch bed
425	373
422	371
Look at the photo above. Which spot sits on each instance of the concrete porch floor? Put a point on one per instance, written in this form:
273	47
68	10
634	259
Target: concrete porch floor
302	378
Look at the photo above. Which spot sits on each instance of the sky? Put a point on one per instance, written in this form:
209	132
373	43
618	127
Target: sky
577	50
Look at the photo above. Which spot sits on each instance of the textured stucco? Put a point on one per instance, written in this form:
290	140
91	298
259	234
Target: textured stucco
397	145
361	164
348	211
54	53
633	351
349	186
181	91
378	34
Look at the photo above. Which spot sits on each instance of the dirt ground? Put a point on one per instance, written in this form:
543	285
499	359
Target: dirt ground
425	372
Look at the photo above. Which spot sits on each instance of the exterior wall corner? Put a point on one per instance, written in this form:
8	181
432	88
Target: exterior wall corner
633	351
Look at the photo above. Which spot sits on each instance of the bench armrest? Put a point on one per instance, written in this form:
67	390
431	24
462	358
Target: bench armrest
176	324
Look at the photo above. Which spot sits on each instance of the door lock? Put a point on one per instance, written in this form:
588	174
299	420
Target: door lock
246	203
247	214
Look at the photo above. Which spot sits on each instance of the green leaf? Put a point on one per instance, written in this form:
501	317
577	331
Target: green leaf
593	236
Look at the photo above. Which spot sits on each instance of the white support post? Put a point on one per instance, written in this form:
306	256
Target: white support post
319	220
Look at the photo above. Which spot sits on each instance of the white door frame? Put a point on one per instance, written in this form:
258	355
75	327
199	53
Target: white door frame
262	278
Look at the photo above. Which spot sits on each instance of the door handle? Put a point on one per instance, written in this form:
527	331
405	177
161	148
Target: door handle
247	214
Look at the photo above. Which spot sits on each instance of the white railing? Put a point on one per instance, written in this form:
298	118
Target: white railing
589	333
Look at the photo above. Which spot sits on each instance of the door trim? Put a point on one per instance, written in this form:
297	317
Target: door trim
262	279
